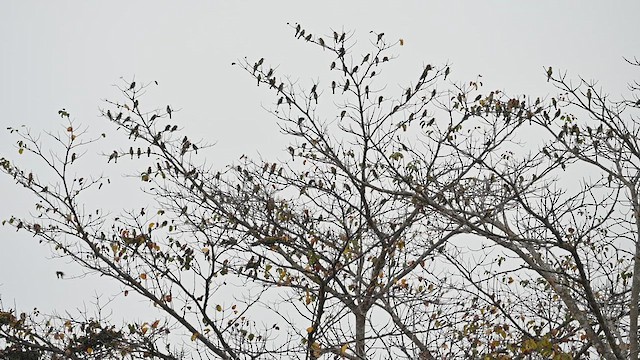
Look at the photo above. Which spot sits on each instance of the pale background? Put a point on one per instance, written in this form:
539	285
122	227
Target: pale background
67	54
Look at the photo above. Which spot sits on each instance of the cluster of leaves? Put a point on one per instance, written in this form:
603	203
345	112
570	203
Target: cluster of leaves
31	336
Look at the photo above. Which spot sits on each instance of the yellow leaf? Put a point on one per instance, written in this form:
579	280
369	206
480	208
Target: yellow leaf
343	349
309	329
89	350
143	276
194	336
218	307
20	151
144	330
316	349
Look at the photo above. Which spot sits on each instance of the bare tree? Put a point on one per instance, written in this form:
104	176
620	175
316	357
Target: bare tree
565	207
407	222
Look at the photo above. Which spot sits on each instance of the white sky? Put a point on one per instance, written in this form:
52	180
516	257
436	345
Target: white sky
64	54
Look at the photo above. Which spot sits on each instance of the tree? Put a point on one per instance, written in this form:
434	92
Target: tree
405	224
579	238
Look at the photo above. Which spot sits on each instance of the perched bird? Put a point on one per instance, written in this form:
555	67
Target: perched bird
113	156
59	274
425	72
132	86
169	111
549	73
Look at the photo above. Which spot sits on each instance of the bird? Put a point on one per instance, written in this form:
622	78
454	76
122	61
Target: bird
59	274
549	73
425	72
113	156
169	111
132	86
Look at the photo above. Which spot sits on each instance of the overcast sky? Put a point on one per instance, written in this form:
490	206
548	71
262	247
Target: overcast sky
68	54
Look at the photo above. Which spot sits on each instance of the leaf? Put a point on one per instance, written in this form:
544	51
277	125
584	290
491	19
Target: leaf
401	42
143	276
194	336
310	329
20	151
218	308
343	349
155	324
316	349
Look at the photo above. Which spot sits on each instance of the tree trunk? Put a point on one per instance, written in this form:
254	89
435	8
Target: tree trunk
635	285
360	335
